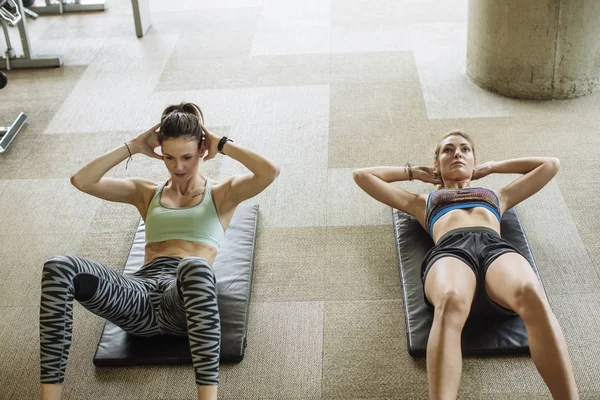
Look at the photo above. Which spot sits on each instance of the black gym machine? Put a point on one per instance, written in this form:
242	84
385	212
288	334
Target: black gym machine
7	134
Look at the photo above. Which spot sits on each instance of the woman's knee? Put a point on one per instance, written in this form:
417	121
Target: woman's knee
63	265
85	286
529	299
453	305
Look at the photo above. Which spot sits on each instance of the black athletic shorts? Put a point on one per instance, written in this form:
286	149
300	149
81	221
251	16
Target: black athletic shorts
477	247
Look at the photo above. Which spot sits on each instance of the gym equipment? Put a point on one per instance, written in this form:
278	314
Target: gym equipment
481	336
7	134
233	271
141	16
11	15
62	6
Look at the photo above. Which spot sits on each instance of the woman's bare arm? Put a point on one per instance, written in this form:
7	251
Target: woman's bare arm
537	172
376	182
91	180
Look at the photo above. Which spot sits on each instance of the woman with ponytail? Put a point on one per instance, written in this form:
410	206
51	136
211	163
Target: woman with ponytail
174	293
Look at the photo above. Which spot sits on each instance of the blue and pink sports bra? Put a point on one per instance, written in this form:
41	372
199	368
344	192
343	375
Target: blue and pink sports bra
443	201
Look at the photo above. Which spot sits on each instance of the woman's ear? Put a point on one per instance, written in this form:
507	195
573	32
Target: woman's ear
202	146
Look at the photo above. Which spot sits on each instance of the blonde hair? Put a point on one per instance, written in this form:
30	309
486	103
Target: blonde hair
436	154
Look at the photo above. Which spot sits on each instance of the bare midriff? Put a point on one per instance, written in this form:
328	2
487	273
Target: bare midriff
179	248
464	218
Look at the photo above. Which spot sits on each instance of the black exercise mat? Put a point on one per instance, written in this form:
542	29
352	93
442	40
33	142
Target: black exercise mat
482	336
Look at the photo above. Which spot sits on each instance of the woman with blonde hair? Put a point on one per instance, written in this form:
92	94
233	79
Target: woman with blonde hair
471	268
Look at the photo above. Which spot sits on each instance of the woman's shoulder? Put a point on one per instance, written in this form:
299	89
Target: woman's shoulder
146	184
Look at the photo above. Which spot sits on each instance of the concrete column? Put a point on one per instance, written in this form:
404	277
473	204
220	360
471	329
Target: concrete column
535	49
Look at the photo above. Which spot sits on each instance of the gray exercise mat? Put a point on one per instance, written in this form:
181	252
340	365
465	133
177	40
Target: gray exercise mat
482	336
233	270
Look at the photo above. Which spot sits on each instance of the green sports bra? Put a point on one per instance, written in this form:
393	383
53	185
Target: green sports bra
199	223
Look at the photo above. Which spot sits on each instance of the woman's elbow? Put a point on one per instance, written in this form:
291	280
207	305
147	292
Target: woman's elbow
75	181
273	173
79	185
554	163
358	175
276	171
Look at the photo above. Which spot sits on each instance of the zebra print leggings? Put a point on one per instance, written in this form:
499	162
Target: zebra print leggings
169	295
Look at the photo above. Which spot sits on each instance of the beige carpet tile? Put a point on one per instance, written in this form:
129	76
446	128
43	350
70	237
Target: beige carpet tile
348	204
292	36
30	250
497	144
3	184
159	6
83	377
210	33
110	111
21	286
246	109
571	139
45	206
9	167
39	113
290	264
505	375
373	39
504	396
364	352
291	146
577	316
286	9
293	28
110	249
240	72
362	15
91	25
80	52
52	156
373	67
207	42
559	252
369	123
108	78
297	198
432	11
588	230
361	264
404	395
373	141
20	352
580	185
283	357
49	86
23	257
359	106
113	217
